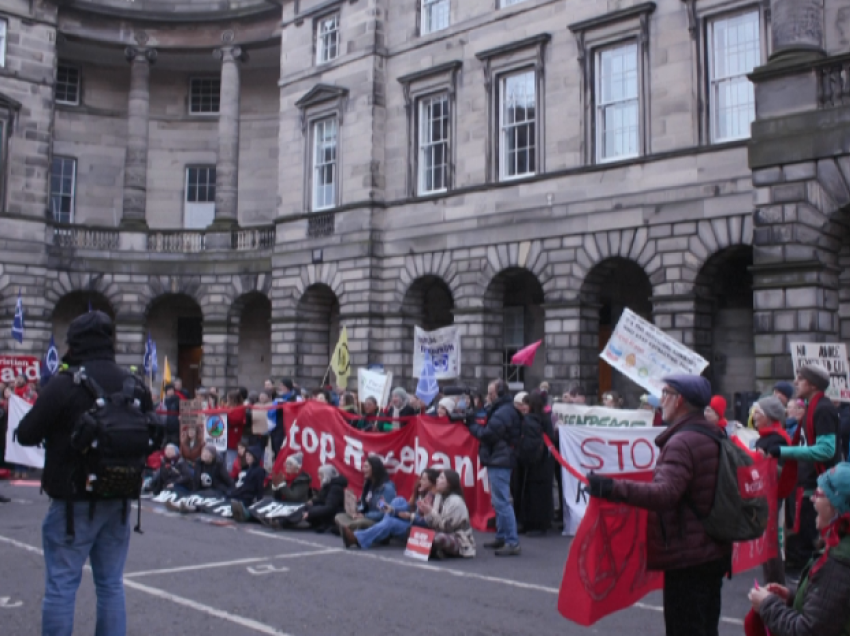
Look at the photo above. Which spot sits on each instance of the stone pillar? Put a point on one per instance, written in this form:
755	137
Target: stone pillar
482	333
797	29
130	335
227	165
136	158
214	363
562	347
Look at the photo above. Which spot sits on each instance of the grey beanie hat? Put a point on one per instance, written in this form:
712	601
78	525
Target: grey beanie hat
772	408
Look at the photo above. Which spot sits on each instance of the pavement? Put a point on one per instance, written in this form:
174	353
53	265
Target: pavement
193	574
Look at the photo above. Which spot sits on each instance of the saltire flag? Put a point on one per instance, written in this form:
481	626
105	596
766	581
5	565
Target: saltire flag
427	388
50	364
341	361
18	322
150	357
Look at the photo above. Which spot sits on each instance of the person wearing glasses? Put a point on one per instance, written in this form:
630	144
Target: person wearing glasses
820	605
680	494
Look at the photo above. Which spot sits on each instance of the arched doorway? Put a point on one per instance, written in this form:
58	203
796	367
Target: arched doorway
318	330
72	305
610	287
428	304
724	329
175	322
516	296
250	321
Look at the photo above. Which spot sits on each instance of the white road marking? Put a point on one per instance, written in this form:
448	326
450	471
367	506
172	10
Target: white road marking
8	603
266	568
224	564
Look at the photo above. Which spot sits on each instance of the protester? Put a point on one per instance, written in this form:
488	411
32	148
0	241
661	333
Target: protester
178	389
378	490
370	412
210	473
294	485
612	400
535	510
445	407
328	502
268	387
174	473
577	395
815	449
239	464
783	391
100	531
844	428
249	487
348	403
171	406
819	606
236	416
681	493
796	413
715	412
399	407
449	517
277	430
495	451
5	392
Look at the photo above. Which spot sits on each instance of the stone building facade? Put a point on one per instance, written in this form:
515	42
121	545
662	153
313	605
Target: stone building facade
240	179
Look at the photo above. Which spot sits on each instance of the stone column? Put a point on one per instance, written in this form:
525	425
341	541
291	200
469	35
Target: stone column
130	335
797	29
136	158
214	363
481	338
562	347
227	165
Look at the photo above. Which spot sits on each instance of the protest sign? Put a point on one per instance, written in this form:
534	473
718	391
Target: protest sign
211	502
443	345
11	366
645	354
285	513
832	357
32	456
580	415
324	436
419	544
215	431
374	384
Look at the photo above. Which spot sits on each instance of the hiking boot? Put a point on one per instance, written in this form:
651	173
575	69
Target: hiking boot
237	509
348	537
509	550
495	545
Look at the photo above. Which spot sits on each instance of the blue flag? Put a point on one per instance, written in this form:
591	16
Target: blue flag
150	357
18	322
427	388
50	364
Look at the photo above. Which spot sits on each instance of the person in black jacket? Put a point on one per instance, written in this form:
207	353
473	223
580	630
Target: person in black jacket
328	502
497	439
174	472
535	509
102	532
171	406
249	488
210	472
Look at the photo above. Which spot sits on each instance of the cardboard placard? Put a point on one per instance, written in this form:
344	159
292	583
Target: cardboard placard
419	544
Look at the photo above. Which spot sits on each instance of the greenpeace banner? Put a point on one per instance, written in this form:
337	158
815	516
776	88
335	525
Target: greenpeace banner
830	356
322	433
32	456
443	345
645	354
580	415
374	384
11	366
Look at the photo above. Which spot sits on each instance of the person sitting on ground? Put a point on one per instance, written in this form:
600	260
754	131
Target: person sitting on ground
210	473
377	489
191	442
239	464
328	502
445	407
249	488
294	485
819	605
449	517
174	473
398	515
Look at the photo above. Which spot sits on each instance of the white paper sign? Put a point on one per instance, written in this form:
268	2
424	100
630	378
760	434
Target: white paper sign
374	384
32	456
443	345
832	357
215	431
605	450
645	354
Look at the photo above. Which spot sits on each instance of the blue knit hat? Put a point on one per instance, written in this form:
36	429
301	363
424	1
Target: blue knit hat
835	484
694	388
785	388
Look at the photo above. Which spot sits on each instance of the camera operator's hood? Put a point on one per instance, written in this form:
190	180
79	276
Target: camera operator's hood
90	337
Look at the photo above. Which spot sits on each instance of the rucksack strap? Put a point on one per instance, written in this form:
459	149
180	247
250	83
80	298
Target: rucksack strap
90	384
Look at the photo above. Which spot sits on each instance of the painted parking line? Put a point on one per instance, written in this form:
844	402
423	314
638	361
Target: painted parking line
226	564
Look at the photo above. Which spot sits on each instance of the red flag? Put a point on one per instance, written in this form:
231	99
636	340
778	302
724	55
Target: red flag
525	356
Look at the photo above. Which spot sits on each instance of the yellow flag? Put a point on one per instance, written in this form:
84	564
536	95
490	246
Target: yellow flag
341	361
166	379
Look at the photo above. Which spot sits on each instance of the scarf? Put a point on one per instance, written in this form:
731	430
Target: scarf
832	536
788	478
777	429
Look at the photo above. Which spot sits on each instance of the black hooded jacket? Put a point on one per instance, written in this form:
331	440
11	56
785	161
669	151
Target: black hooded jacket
252	483
328	502
53	416
212	476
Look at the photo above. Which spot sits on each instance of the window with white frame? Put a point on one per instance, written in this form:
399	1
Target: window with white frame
433	143
734	51
435	15
513	339
63	184
617	103
3	26
199	210
68	85
517	124
324	163
204	95
327	38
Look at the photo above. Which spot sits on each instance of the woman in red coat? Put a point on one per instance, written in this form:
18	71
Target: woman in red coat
235	425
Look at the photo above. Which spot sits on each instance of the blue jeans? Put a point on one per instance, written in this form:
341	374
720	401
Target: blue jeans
500	496
105	540
384	529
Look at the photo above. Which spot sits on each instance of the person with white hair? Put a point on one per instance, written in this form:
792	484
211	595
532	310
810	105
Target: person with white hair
399	407
328	502
445	407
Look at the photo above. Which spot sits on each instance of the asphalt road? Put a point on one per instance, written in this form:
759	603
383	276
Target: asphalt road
186	575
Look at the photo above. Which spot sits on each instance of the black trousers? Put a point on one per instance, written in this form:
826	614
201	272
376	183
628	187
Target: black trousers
800	546
692	598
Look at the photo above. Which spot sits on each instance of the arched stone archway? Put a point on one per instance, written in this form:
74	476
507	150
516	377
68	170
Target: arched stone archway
249	341
176	323
428	303
75	304
317	330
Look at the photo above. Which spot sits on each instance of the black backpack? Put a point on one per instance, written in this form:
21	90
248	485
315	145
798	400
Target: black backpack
732	517
530	447
113	440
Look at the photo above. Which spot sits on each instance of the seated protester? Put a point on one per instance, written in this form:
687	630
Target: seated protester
210	474
294	485
174	472
819	605
398	515
328	502
249	488
239	463
449	517
377	488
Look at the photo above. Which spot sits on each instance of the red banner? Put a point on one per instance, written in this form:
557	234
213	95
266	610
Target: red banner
12	366
322	433
606	568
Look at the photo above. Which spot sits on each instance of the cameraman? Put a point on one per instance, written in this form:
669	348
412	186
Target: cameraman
497	438
101	533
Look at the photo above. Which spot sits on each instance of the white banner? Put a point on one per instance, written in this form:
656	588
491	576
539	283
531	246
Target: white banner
374	384
578	415
443	345
605	450
832	357
32	456
645	354
215	431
